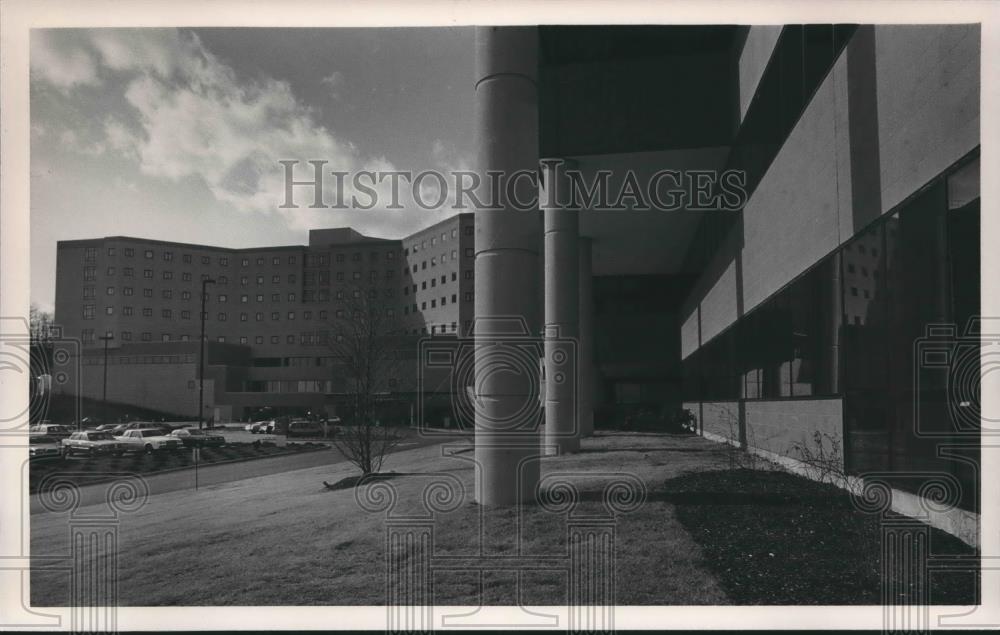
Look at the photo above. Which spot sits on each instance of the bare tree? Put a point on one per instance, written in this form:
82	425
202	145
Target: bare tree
366	342
41	325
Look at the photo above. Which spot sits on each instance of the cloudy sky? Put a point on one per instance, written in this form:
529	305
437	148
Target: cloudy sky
176	134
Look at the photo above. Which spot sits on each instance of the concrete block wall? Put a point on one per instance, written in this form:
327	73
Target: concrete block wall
777	426
718	419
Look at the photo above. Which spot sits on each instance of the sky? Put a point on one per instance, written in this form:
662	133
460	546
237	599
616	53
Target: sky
176	134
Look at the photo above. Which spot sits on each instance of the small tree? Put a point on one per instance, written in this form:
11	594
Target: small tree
366	342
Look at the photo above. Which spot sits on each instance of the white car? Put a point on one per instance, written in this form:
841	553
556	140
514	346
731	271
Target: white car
149	440
92	443
44	447
258	427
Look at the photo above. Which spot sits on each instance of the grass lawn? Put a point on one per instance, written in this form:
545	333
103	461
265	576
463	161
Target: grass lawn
287	539
77	469
776	538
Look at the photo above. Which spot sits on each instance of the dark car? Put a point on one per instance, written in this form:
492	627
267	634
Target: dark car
194	438
304	428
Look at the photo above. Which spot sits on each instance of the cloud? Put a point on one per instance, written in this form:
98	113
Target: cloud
335	81
62	62
182	115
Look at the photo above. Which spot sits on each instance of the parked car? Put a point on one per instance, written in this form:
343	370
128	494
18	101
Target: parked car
144	425
304	428
107	427
149	440
257	427
50	430
194	438
42	447
92	443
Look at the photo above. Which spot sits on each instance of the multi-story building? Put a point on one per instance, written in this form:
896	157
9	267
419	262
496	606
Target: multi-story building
277	305
437	277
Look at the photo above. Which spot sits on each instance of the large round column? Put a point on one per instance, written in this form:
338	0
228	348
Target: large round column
588	376
562	306
507	278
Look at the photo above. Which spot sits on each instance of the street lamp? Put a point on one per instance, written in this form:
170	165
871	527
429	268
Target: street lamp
107	337
201	356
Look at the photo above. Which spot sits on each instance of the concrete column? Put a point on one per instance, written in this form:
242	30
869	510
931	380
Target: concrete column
507	408
562	306
587	371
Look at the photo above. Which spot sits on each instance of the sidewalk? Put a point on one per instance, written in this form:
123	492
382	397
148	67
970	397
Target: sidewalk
286	539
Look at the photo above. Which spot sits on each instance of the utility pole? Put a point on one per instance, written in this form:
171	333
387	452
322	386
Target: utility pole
201	357
107	337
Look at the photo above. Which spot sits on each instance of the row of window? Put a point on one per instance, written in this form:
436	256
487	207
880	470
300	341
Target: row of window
434	282
98	360
469	253
222	316
323	260
317	338
90	274
310	278
90	256
434	240
468	296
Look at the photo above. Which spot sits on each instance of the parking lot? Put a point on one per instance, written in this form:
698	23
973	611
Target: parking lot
237	445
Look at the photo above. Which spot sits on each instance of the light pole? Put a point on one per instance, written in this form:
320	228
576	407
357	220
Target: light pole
107	337
201	356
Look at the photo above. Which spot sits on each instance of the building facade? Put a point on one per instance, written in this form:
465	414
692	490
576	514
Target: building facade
275	305
797	324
